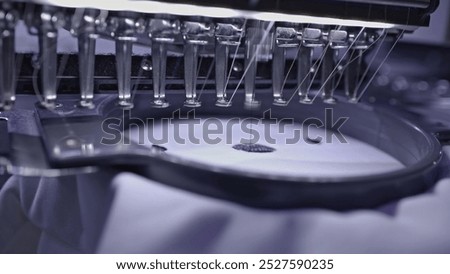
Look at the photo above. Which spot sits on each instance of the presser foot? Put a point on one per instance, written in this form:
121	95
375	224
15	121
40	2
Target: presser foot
159	103
223	103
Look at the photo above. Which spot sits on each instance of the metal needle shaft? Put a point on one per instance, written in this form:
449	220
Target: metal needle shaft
190	74
327	81
278	64
251	64
124	48
7	69
48	51
159	57
86	55
222	52
352	75
304	75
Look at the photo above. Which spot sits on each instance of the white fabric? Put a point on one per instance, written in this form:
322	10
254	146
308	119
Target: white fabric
299	159
124	213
